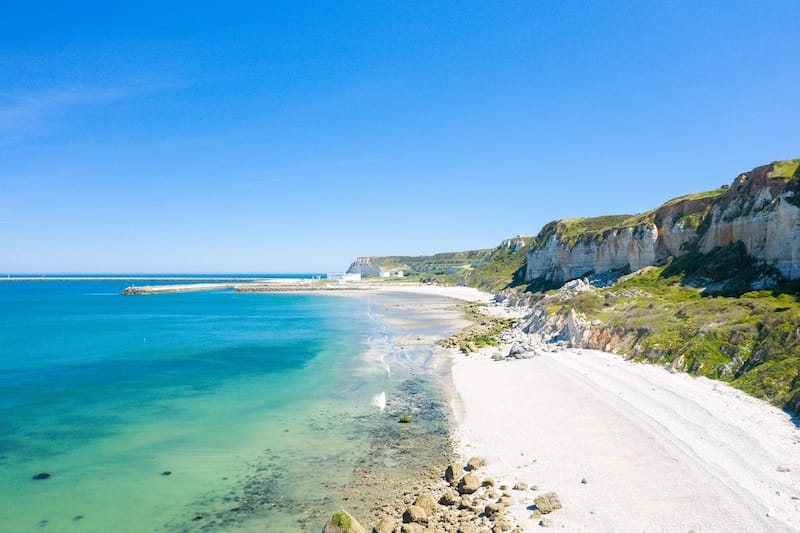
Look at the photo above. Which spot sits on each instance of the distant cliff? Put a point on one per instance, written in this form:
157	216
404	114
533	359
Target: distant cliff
759	209
443	263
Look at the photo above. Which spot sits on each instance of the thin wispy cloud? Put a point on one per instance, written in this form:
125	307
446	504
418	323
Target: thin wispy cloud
25	113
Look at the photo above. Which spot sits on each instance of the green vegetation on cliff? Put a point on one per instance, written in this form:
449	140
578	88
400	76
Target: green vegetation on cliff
751	341
437	264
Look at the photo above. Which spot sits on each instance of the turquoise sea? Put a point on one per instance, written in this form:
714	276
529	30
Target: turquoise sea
202	411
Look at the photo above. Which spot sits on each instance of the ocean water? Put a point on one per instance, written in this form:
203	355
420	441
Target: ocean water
203	411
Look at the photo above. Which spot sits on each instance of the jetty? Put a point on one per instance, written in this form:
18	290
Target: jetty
173	288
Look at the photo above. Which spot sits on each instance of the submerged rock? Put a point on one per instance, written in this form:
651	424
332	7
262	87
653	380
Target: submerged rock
42	475
405	419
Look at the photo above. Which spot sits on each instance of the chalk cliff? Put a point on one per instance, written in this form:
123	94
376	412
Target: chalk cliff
759	209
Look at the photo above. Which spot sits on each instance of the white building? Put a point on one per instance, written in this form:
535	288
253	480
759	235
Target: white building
391	273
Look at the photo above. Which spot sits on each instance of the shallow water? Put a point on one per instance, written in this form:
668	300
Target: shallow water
258	405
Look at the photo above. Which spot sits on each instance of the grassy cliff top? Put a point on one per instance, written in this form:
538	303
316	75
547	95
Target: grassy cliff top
785	169
437	263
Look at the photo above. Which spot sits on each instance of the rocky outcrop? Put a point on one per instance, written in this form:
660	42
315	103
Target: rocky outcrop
760	209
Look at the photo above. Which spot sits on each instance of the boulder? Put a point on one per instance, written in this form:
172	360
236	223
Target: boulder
343	522
465	503
384	525
469	484
501	525
475	463
547	503
449	498
427	502
415	514
494	509
453	473
406	419
508	501
412	528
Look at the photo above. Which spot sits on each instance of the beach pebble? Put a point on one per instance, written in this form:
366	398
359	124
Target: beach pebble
546	522
405	419
783	469
520	485
488	482
584	481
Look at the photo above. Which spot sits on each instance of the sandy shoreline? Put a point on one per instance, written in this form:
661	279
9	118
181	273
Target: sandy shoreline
657	451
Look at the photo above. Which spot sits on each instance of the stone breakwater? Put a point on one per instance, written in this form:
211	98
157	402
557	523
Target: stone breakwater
464	500
167	289
134	290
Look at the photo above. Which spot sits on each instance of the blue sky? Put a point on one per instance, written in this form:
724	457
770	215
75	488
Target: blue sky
292	137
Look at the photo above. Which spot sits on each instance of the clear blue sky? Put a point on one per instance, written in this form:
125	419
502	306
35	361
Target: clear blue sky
292	137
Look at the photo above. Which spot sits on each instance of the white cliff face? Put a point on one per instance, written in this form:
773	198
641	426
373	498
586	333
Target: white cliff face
514	245
758	209
771	235
633	247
